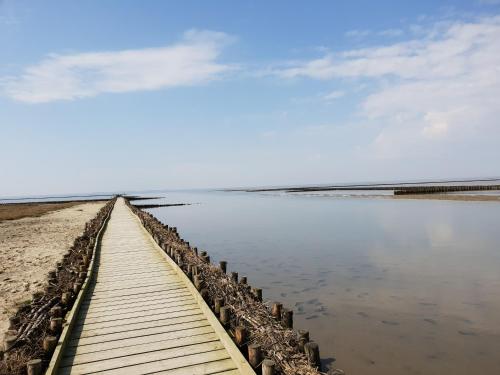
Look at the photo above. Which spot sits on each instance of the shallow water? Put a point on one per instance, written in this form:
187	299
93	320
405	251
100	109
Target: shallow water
384	286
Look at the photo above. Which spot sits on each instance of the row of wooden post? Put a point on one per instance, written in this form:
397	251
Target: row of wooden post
240	334
35	366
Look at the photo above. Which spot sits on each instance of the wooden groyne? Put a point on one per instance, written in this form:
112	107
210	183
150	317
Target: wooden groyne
132	297
442	189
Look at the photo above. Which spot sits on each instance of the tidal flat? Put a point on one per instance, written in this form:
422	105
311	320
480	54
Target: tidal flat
393	286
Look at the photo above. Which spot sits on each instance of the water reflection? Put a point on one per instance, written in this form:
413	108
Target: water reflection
384	286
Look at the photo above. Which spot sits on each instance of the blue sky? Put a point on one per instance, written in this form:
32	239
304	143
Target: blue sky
127	95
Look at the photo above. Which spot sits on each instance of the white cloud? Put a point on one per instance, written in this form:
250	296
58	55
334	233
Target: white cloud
442	86
65	77
333	95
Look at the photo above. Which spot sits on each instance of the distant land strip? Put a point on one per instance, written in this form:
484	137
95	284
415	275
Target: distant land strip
161	205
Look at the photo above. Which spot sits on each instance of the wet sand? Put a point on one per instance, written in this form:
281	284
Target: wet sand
31	246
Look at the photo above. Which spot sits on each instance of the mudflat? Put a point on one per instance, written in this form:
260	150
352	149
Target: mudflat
31	246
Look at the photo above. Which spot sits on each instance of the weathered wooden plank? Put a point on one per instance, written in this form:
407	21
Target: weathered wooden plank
171	319
137	299
160	364
138	318
146	358
133	341
136	308
143	348
181	297
90	340
225	366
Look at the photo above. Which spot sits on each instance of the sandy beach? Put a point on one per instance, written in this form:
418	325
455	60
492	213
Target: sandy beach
31	246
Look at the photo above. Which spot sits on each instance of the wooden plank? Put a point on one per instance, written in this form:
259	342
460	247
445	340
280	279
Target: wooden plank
143	348
225	366
137	319
133	341
136	308
171	319
138	299
160	364
181	297
151	356
95	339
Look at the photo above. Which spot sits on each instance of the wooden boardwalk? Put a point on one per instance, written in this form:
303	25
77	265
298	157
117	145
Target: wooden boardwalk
141	315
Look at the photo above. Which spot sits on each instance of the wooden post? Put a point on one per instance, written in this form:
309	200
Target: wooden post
9	342
240	335
76	287
276	310
312	352
56	312
268	367
225	315
254	355
49	344
198	282
13	322
288	318
258	294
303	339
34	367
243	280
219	302
56	325
223	266
66	298
234	277
205	295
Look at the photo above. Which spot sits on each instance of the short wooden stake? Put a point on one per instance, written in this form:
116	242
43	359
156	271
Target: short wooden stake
287	318
258	294
234	277
223	266
240	335
9	342
49	344
34	367
66	298
76	287
13	322
302	338
243	280
205	295
198	282
56	325
312	352
276	310
56	312
225	315
218	303
254	355
267	367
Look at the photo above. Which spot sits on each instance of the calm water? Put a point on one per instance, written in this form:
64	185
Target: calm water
384	286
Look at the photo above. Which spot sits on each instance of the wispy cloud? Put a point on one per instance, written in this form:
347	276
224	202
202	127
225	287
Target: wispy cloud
191	61
443	85
333	95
